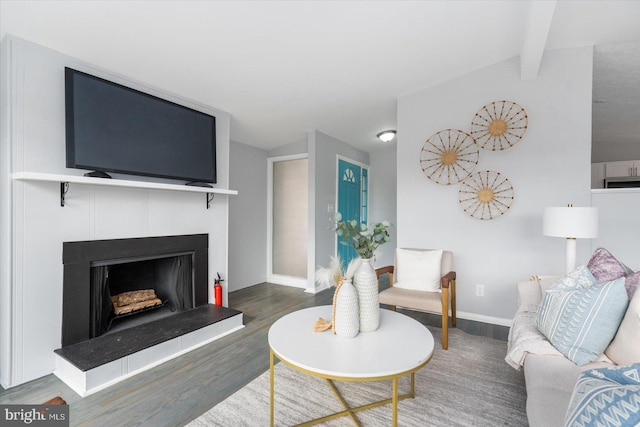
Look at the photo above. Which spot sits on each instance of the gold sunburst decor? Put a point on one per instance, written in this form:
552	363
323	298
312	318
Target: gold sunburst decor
449	156
499	125
485	195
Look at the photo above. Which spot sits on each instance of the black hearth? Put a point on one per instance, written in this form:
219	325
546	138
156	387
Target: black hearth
174	268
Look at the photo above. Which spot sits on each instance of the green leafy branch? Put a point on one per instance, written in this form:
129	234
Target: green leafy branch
364	239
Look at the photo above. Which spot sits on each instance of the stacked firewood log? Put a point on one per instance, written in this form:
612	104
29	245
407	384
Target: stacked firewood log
128	302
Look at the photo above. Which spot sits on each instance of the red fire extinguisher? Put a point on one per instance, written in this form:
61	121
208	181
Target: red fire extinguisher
217	291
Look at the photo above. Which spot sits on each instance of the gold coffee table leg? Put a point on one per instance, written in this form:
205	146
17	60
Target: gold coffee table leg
271	383
394	404
350	412
413	385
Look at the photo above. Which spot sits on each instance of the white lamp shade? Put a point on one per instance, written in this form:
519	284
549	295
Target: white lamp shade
570	222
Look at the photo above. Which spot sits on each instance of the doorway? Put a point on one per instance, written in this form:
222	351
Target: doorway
353	201
289	212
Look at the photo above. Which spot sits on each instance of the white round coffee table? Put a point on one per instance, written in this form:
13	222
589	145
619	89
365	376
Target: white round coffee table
399	347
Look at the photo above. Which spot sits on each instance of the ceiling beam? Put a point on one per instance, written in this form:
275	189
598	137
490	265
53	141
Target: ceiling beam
535	37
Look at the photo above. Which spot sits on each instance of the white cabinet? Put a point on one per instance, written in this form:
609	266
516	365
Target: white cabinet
623	168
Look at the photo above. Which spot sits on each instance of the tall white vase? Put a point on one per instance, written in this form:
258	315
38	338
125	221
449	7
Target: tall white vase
366	284
347	317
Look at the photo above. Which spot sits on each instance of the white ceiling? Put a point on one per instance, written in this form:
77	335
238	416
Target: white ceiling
282	68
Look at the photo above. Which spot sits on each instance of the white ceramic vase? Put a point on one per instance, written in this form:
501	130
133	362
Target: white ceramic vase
347	320
366	284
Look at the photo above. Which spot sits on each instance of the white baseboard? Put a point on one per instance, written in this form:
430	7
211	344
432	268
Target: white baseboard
302	283
296	282
484	319
316	289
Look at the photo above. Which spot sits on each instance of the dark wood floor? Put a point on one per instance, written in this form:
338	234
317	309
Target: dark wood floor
180	390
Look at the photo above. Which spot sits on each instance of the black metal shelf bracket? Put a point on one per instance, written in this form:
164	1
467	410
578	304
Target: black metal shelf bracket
64	188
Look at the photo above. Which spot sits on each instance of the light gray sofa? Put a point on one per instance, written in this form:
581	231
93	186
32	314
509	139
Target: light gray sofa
550	378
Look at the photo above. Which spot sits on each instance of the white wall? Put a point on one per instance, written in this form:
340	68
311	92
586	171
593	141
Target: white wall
619	228
32	252
247	216
549	167
5	220
297	147
382	198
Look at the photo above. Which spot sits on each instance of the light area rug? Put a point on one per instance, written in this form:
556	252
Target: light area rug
468	385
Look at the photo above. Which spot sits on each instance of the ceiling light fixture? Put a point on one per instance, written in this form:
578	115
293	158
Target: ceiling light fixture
386	135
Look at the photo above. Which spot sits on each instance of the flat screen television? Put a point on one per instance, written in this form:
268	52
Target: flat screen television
114	128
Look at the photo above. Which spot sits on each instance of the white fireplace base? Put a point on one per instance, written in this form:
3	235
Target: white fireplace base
88	382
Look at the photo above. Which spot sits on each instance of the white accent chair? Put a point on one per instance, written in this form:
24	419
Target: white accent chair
413	296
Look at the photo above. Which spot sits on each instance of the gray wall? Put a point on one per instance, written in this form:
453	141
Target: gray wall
550	166
247	216
323	152
383	200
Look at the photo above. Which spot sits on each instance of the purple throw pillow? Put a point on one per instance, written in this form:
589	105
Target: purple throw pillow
605	267
631	283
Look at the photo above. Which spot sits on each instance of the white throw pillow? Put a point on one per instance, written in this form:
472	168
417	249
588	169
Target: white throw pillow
418	270
625	347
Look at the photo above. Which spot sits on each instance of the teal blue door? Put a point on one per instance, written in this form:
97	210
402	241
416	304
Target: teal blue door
352	201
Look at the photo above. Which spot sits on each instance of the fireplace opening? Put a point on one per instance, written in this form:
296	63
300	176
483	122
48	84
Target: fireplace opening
147	278
129	292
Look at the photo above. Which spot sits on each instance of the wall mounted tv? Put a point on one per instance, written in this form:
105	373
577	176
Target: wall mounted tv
113	128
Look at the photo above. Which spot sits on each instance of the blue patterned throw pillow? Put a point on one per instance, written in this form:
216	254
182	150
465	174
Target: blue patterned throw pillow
581	321
606	397
579	278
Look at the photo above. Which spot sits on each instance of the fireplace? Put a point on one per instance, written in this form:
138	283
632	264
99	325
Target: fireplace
110	285
101	347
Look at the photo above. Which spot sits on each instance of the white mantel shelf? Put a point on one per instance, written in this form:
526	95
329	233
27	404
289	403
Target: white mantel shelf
64	180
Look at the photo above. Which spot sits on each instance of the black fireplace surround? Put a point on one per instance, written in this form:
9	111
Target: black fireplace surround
78	322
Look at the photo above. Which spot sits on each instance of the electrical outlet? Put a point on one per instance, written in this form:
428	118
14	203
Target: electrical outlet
479	290
330	208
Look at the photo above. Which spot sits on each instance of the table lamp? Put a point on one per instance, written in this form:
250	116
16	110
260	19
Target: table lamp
572	223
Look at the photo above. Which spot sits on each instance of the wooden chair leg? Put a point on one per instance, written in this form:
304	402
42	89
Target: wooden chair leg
393	308
445	318
453	302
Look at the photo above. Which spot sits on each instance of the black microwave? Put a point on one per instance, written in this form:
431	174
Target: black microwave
622	182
